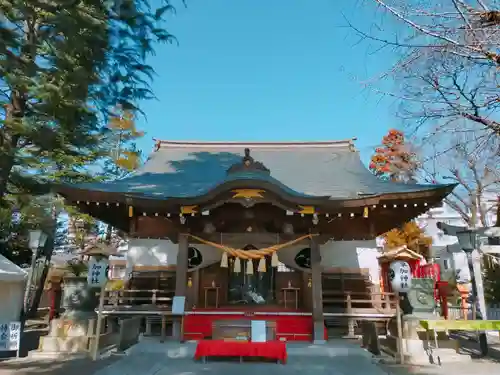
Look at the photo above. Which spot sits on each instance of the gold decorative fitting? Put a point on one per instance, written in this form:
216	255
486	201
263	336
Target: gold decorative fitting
130	211
248	193
187	210
306	210
365	212
309	282
190	282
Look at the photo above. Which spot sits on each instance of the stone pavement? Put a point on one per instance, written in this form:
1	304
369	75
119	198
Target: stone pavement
475	367
335	358
150	357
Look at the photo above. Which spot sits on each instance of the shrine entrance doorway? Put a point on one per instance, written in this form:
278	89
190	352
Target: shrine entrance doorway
255	288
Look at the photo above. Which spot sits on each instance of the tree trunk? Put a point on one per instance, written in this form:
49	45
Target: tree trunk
9	144
47	252
109	234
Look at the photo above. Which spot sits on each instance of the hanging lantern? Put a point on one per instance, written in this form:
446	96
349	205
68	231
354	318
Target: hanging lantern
262	264
309	282
237	265
249	267
223	261
400	276
274	260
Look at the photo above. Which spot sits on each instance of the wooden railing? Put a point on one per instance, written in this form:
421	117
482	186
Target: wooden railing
138	297
381	301
352	307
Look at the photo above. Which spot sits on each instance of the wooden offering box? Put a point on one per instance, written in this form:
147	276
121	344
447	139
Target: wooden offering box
239	330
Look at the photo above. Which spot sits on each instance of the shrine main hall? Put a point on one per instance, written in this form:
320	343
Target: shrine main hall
271	230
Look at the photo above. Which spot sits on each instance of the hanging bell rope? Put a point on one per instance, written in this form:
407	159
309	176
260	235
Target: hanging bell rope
262	265
223	261
237	265
249	267
274	260
251	254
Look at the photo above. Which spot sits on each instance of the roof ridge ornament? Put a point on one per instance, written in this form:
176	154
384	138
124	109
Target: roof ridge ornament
248	164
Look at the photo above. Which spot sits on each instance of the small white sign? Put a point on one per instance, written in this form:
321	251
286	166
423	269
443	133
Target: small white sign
258	331
10	336
98	272
178	305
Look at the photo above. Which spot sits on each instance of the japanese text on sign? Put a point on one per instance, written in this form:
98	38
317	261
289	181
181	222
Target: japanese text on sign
10	336
98	272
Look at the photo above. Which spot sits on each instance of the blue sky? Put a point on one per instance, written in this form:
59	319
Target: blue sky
267	70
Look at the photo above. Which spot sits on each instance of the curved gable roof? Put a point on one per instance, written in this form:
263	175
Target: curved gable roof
305	169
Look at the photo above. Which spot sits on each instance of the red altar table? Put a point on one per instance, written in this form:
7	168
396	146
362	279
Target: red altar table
220	348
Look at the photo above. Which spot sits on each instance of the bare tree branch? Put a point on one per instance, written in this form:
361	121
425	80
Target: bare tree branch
476	173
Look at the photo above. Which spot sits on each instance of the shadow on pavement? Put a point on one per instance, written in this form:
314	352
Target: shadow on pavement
80	366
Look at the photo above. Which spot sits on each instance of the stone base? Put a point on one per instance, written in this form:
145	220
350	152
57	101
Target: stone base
419	347
319	332
66	336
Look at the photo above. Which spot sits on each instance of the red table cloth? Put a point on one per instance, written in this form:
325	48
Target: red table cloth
220	348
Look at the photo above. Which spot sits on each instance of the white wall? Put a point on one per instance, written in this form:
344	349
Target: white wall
352	254
346	254
150	252
11	295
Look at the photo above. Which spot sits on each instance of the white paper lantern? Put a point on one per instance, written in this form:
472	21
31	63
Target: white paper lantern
400	276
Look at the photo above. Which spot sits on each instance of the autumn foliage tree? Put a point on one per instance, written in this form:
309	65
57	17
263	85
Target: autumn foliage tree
394	159
121	135
409	235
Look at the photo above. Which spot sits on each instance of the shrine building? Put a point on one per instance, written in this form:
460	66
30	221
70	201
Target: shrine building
269	230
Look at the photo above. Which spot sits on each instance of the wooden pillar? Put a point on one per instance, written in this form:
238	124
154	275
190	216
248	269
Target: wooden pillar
181	279
196	287
317	294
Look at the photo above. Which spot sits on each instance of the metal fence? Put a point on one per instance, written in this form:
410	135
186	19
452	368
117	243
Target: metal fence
458	313
493	312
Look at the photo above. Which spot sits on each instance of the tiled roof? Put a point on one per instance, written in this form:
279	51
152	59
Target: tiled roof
317	169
